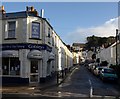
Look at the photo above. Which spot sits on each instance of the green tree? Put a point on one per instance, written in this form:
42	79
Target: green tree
94	42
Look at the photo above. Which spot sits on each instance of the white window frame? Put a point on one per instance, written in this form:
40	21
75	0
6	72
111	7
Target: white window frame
7	28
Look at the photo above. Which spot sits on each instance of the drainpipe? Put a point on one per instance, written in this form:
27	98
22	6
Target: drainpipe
116	46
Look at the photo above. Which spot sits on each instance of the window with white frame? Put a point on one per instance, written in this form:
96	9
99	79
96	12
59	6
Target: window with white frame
52	40
55	41
11	29
10	66
49	32
49	39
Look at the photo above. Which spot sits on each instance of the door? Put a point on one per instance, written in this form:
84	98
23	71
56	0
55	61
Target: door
34	74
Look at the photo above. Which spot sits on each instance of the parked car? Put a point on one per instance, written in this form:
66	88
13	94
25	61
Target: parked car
97	70
93	68
90	66
108	74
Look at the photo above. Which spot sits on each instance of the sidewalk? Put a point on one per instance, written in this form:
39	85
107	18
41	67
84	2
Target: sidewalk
33	88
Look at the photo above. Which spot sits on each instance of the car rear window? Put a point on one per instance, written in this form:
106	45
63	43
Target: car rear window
100	68
109	71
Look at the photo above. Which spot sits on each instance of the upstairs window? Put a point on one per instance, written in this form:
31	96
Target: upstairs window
35	30
52	41
49	32
11	29
49	39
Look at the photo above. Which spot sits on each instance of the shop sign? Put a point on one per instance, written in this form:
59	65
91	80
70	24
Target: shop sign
26	46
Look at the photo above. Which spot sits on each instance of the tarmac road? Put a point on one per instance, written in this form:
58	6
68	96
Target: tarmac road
80	83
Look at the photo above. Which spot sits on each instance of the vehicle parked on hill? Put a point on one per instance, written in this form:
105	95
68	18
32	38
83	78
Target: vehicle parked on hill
108	74
97	70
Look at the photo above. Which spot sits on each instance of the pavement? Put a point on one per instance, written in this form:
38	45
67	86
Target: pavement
34	88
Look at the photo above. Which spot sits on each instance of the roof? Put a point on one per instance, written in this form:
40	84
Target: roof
78	44
21	14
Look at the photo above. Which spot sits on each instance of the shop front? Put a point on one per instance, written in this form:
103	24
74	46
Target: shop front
10	65
23	63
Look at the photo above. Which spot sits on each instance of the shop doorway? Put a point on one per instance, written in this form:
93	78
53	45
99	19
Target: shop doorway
34	74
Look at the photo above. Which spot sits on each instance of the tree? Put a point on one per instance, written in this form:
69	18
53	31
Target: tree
93	42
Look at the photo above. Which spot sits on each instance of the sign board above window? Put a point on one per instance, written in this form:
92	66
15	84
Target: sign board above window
26	46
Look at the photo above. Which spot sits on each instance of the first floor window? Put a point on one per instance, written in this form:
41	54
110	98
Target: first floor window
10	66
11	29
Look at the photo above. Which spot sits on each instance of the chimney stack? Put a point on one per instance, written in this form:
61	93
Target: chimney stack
2	10
42	13
31	9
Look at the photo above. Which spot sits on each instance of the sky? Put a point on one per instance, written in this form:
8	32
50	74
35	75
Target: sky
74	21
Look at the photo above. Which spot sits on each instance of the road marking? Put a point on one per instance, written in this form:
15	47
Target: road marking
91	89
90	83
31	88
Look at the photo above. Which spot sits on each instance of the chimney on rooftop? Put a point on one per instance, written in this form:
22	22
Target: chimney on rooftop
2	10
32	10
42	13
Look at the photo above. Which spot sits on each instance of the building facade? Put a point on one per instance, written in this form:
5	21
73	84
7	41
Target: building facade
108	54
78	53
31	49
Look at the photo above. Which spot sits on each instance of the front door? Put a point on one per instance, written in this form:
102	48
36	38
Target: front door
34	74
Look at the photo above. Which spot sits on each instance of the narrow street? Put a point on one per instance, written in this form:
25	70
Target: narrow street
82	83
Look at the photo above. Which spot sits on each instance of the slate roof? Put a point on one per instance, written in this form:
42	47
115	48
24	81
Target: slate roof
21	14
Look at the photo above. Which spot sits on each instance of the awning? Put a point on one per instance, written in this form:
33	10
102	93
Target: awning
52	56
10	53
35	54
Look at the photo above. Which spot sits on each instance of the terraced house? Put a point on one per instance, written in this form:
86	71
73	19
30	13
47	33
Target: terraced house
31	49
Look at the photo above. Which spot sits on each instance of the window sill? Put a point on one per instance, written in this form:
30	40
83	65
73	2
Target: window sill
10	75
49	43
35	38
10	39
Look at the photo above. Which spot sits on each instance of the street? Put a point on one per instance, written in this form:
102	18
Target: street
80	83
83	83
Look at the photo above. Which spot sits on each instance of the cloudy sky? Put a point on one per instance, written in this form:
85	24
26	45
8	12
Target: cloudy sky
74	21
106	29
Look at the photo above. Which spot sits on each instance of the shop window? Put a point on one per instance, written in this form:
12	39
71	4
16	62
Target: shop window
10	66
5	66
14	66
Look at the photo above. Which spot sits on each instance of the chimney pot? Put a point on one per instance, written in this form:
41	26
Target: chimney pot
26	8
32	8
2	8
42	13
